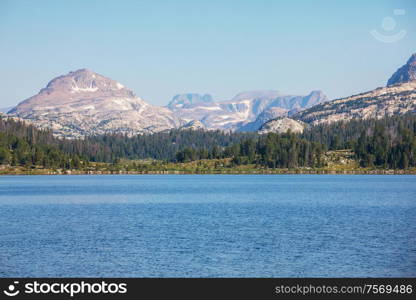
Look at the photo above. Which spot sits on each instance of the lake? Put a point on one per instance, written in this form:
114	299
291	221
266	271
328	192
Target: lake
208	226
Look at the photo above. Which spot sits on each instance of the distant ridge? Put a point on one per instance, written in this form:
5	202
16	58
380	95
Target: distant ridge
83	103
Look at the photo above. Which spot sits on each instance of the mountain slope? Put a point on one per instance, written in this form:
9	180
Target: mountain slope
86	103
397	98
385	101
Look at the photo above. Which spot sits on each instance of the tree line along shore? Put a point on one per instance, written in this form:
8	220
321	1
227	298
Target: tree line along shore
383	146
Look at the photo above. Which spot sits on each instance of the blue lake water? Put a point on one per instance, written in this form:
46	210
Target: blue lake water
208	226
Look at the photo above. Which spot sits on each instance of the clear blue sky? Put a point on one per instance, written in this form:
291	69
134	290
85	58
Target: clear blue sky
161	48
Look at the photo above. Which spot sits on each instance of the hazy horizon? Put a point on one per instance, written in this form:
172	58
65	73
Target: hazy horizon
159	49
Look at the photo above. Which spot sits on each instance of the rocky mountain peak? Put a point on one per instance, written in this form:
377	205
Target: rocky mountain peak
257	94
189	99
317	93
314	98
405	73
87	83
412	59
83	103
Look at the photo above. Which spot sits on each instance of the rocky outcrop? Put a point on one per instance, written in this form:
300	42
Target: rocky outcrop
194	125
282	125
266	115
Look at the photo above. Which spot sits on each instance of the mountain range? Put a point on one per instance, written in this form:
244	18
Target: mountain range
247	111
83	103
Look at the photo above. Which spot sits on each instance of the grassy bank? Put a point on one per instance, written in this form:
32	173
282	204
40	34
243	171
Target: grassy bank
336	162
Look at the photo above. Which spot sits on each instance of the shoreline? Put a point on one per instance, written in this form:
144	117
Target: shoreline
213	172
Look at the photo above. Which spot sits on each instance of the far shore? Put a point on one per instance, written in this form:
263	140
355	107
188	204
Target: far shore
212	172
